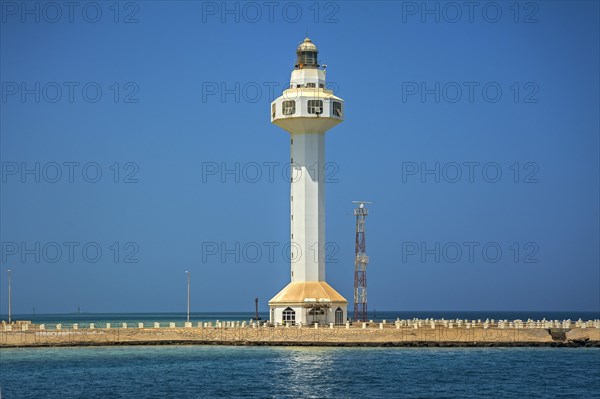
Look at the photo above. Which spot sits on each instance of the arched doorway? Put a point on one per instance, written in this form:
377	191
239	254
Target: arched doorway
288	316
339	316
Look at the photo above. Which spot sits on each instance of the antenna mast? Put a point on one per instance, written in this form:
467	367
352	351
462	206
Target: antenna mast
361	261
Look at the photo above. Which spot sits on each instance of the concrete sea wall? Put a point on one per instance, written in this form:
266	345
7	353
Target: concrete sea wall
399	333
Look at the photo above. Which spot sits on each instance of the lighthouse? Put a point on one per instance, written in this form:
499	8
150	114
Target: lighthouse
306	110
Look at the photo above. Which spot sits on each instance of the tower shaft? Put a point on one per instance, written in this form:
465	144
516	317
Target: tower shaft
307	206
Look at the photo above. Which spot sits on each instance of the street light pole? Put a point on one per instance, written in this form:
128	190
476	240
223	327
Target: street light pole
188	296
9	299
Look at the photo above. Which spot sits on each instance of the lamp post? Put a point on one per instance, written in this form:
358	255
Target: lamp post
188	296
9	299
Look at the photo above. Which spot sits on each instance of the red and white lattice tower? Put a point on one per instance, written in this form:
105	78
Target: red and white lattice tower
361	261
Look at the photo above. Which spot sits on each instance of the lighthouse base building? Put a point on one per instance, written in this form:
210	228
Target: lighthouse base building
306	110
308	302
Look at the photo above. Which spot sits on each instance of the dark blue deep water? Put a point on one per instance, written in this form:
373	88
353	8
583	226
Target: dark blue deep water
292	372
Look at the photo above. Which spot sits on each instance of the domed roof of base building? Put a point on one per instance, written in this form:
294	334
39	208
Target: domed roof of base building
307	292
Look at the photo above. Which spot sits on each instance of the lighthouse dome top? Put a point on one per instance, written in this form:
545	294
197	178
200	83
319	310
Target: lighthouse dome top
307	55
307	45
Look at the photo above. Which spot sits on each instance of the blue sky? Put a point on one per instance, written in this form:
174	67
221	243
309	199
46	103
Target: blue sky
500	103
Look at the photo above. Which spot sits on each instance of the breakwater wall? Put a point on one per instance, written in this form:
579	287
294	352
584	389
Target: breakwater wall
415	332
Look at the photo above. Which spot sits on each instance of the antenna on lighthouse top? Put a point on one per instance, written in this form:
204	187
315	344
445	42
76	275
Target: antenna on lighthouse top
361	204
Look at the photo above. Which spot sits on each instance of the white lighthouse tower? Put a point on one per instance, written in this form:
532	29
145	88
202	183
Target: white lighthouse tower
307	110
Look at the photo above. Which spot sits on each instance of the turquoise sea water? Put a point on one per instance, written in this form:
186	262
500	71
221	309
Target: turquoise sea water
293	372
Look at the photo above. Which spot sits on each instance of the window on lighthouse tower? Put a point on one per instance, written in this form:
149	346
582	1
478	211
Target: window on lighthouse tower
337	109
288	107
315	107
